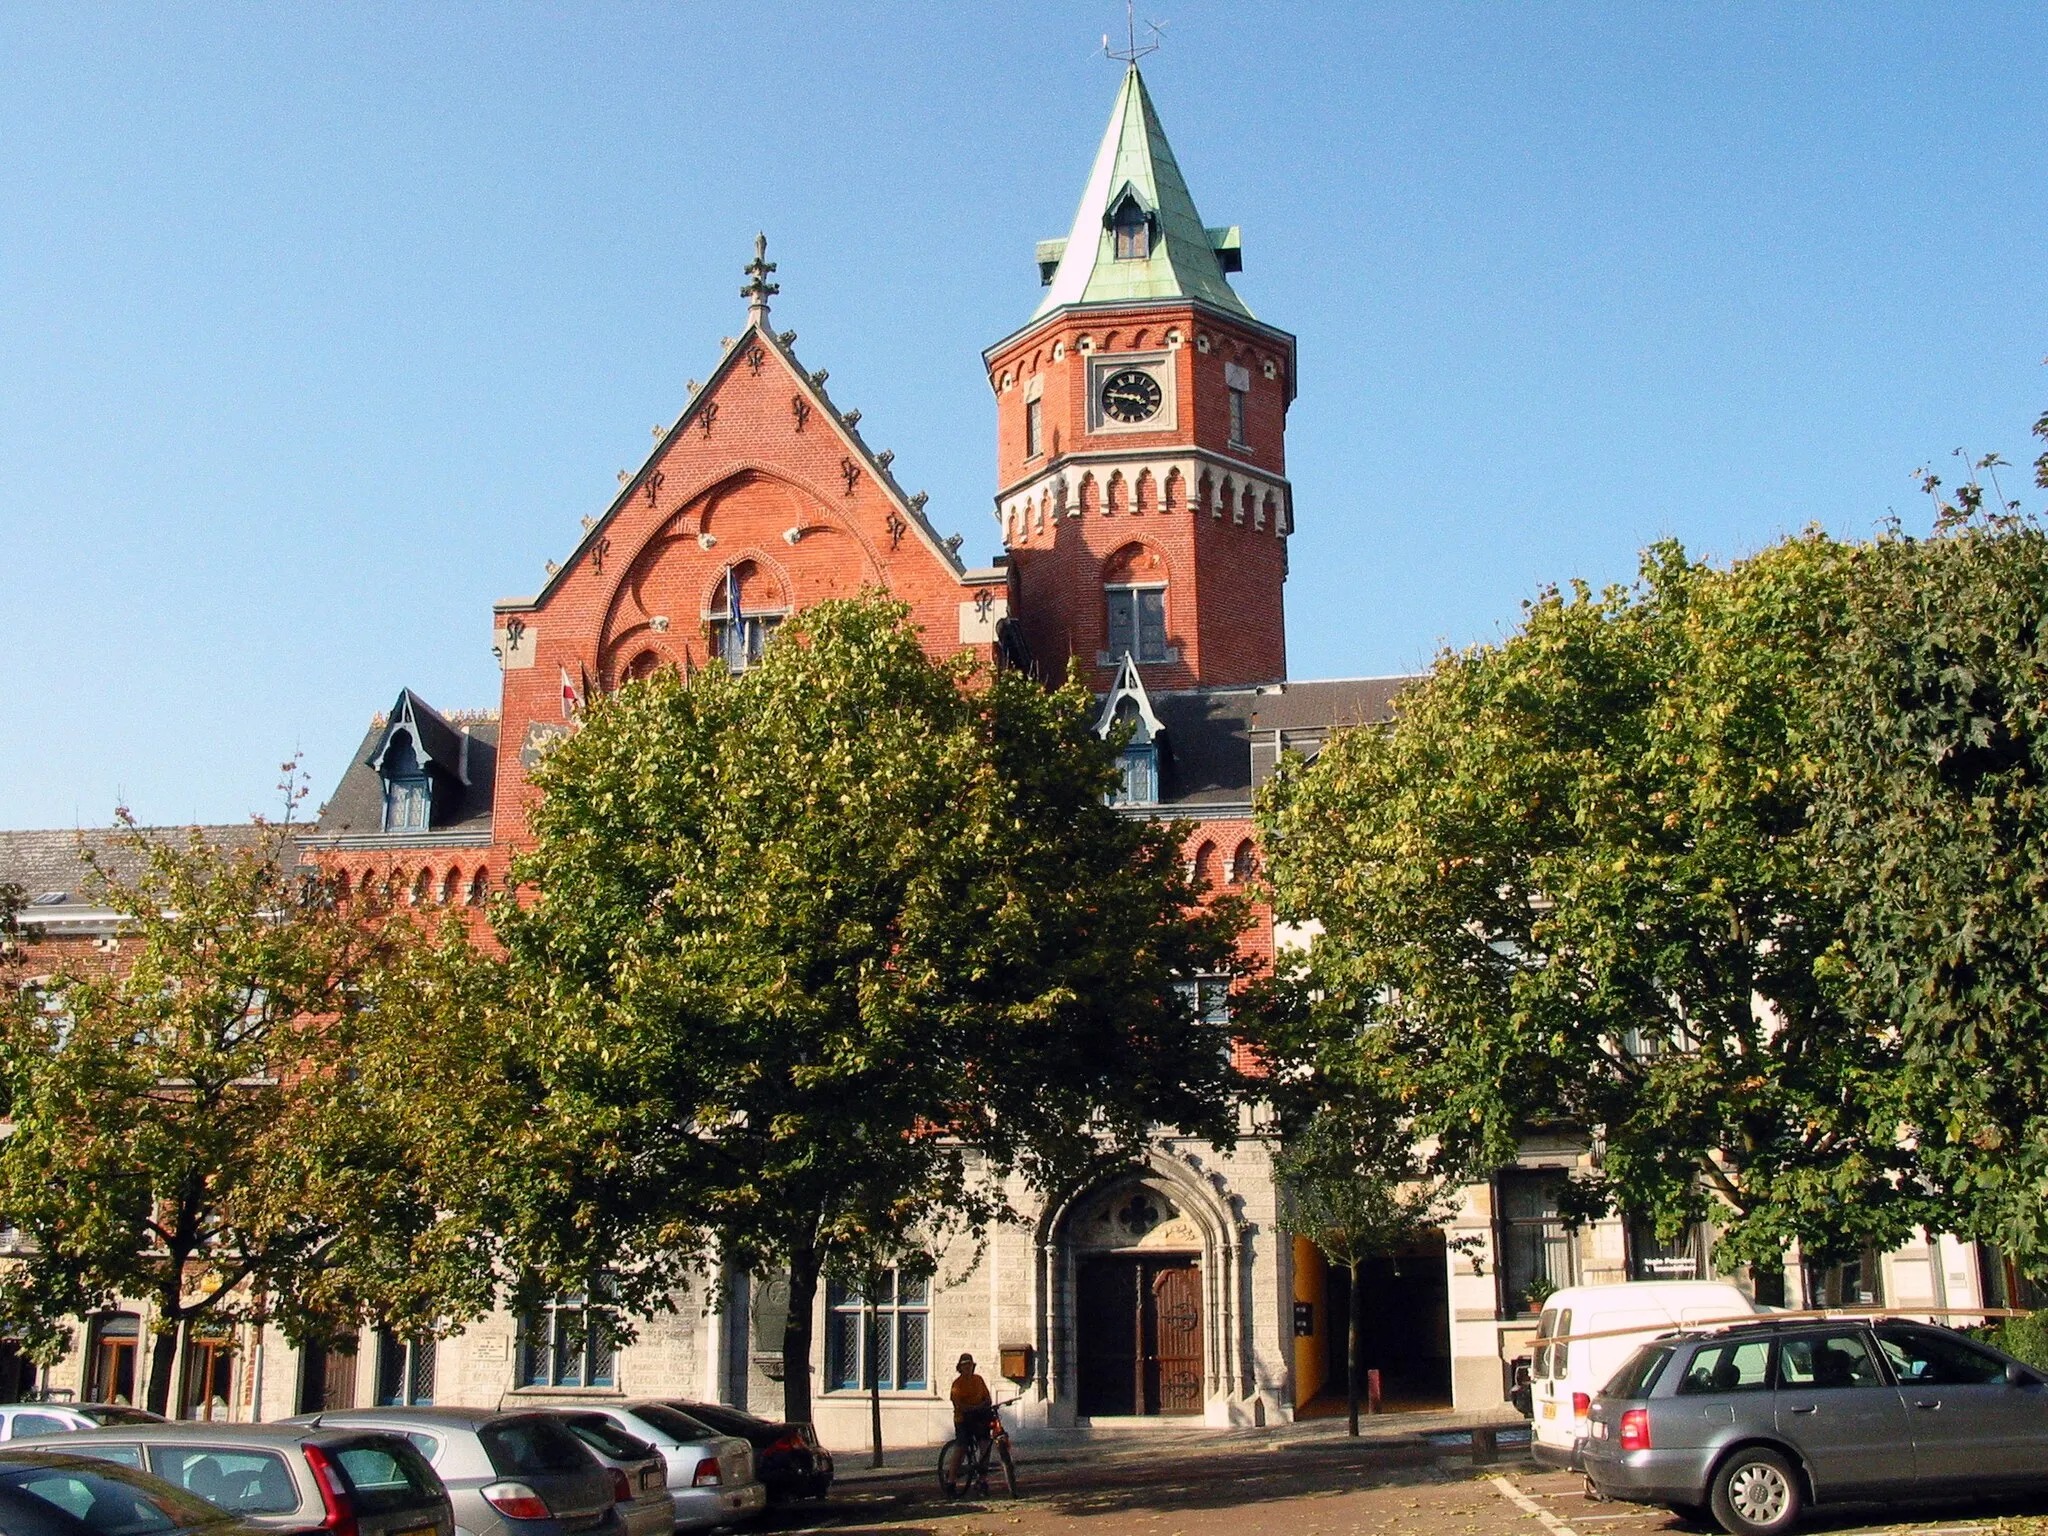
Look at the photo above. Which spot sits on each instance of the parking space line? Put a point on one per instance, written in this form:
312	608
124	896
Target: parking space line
1529	1506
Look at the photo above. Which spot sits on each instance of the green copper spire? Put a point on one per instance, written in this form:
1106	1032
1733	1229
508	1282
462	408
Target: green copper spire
1137	204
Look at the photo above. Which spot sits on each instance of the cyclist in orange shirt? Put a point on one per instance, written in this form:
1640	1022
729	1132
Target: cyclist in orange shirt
973	1407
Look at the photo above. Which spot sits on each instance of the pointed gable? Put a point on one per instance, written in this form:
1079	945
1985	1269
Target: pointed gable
1136	176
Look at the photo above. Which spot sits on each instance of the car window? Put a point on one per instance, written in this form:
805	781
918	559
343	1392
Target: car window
1730	1365
386	1474
1546	1326
605	1437
108	1503
427	1445
533	1447
1640	1373
119	1455
1819	1361
241	1482
679	1427
1561	1354
109	1413
1939	1359
26	1424
724	1420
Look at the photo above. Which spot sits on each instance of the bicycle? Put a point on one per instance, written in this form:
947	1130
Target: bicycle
964	1463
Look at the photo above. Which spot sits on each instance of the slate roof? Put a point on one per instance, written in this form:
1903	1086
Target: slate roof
1186	260
356	808
1221	743
47	864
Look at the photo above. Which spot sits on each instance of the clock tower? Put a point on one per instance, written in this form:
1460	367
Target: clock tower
1141	416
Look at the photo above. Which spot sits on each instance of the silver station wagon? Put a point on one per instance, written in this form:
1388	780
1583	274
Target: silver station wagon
1751	1425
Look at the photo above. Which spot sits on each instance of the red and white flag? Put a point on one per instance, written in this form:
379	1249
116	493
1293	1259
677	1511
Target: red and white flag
572	698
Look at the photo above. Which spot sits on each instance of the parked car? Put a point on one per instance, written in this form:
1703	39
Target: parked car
788	1458
1564	1377
55	1493
287	1477
639	1471
711	1477
508	1474
22	1421
1755	1423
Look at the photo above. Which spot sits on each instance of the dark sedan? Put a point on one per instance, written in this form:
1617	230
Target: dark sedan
788	1458
1754	1423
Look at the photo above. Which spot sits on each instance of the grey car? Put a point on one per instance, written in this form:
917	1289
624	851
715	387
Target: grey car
1753	1424
711	1478
284	1477
508	1474
639	1471
27	1421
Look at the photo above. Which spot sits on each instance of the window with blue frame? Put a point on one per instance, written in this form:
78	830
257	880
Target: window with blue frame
894	1353
1141	776
568	1342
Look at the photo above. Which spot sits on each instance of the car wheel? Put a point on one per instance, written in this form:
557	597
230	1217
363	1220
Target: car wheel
1756	1493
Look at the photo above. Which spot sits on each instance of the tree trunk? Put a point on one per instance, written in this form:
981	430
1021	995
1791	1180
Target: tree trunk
1355	1307
163	1360
796	1333
874	1351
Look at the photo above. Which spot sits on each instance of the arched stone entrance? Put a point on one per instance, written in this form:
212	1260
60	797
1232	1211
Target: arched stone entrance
1141	1271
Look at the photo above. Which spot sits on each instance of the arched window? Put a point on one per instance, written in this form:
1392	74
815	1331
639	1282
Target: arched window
642	666
1206	872
479	888
341	885
422	894
451	887
747	607
1134	595
1244	864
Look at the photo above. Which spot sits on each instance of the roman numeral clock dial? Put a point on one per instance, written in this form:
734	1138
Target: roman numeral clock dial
1131	395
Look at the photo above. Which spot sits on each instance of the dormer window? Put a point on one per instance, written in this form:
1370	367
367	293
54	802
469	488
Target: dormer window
1140	760
407	804
1128	710
1130	226
421	760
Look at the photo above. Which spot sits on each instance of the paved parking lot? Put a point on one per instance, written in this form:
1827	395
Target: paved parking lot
1320	1488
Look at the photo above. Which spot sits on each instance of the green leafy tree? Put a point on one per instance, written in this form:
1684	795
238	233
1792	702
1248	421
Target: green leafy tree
1936	821
1576	881
851	931
1357	1181
189	1127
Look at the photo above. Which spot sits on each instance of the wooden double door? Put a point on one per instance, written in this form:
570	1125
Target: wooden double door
1138	1339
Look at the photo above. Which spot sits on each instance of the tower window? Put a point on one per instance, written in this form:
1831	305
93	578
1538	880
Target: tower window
1237	431
1137	623
1132	227
1034	428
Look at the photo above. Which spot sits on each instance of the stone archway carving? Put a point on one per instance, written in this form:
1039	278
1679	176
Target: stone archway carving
1160	1205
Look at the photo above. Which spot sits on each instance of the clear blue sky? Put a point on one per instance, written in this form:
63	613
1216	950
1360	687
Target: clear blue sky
323	326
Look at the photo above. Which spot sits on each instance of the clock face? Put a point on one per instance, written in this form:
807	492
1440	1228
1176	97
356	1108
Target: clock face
1131	395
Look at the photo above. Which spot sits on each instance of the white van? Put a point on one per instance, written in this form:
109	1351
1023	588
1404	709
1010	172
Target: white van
1565	1377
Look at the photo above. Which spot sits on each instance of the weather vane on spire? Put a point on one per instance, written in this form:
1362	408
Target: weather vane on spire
1130	53
759	290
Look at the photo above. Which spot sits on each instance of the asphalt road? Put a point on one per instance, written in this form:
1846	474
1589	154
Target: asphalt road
1316	1488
